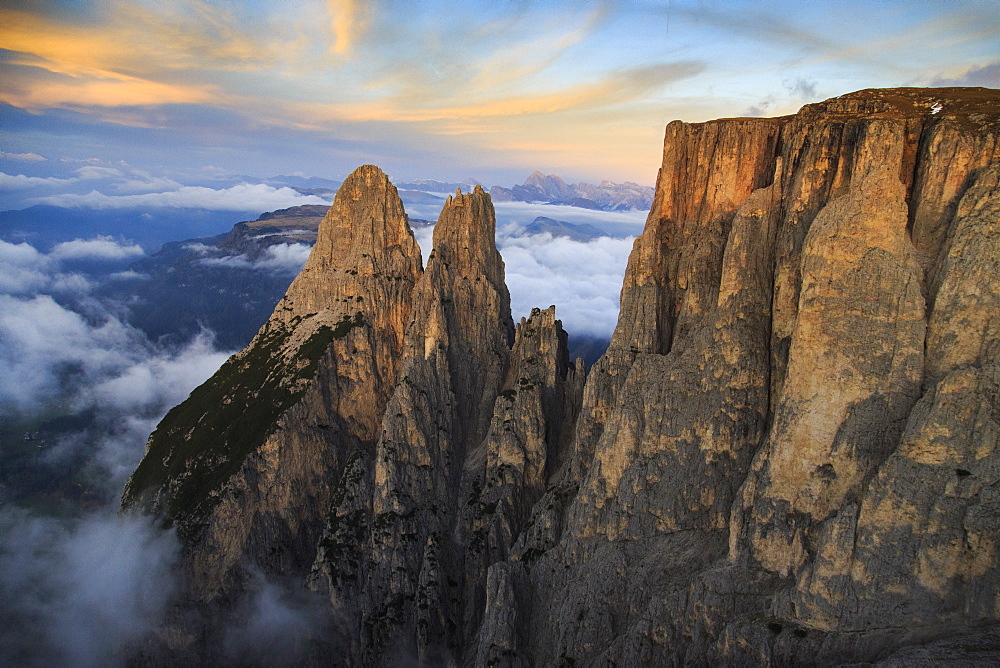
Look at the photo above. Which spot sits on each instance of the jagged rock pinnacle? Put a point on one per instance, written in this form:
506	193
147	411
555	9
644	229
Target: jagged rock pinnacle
267	436
788	454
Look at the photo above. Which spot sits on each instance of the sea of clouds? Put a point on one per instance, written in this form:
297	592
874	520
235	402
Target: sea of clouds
27	179
285	258
79	587
86	586
582	278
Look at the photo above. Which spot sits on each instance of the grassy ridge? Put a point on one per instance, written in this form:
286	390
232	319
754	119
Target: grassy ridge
202	442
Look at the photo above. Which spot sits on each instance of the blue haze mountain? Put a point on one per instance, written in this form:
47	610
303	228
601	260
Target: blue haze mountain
551	189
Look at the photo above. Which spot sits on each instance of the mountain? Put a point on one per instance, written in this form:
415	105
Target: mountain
44	226
787	455
430	185
228	283
551	189
559	228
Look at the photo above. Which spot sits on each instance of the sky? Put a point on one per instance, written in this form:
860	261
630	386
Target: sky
180	91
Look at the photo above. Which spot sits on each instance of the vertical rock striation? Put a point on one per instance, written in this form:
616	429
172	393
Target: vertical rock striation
787	455
456	352
470	436
764	384
244	467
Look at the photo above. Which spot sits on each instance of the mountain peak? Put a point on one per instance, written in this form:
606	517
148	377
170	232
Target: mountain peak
328	355
804	372
361	235
552	189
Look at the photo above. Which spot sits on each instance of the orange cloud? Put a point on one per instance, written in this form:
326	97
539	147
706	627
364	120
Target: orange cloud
127	55
70	50
346	23
615	89
121	91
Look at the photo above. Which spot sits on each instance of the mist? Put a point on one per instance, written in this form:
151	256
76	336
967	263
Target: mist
582	278
287	258
81	591
79	584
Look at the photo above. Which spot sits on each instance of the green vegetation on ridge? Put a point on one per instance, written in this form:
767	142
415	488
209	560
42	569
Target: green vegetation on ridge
202	442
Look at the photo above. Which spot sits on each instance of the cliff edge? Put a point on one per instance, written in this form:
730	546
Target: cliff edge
788	454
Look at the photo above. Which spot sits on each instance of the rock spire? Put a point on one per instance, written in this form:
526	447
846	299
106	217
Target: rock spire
245	467
788	453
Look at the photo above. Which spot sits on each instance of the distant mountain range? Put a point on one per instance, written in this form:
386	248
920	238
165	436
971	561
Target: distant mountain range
538	187
430	185
575	231
551	189
224	283
44	225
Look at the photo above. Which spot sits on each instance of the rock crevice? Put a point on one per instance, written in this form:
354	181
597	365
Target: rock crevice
787	454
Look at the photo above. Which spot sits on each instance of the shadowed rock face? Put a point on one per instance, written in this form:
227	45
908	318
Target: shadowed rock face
245	467
787	454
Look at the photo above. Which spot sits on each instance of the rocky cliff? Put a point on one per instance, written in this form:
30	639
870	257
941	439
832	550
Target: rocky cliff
246	466
787	455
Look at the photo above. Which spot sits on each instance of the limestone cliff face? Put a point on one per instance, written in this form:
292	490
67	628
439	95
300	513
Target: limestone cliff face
244	467
782	380
787	455
456	354
471	435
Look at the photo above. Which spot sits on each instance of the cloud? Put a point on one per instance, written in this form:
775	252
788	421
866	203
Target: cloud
273	623
162	379
242	197
615	88
583	279
25	271
128	275
284	258
94	588
131	400
146	185
26	157
51	354
118	92
617	223
91	172
46	349
117	178
81	592
200	248
63	351
22	182
987	76
347	19
283	233
122	54
800	87
98	248
761	108
88	588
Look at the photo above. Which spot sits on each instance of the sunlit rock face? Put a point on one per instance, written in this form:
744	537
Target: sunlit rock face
781	458
787	454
